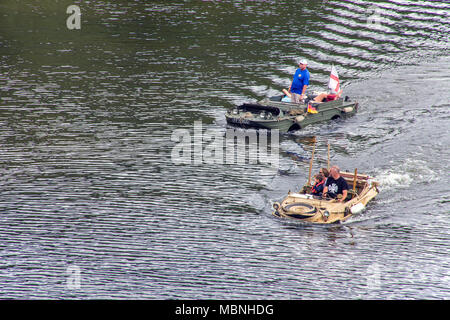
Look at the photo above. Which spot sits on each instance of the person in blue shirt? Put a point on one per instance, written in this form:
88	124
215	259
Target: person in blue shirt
299	83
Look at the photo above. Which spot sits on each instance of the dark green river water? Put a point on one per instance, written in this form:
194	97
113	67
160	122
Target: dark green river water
94	204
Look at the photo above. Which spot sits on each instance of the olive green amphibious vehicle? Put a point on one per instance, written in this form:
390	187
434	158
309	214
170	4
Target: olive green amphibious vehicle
273	113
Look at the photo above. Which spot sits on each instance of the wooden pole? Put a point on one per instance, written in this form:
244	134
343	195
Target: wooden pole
328	163
354	181
311	162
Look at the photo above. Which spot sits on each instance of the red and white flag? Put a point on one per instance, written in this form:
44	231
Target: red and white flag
333	84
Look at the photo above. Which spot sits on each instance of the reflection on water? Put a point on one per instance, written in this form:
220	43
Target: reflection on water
92	204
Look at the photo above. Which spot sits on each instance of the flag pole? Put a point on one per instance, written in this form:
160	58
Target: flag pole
311	162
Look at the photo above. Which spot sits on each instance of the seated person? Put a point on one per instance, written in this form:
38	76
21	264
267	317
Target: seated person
325	97
287	96
317	188
325	173
335	185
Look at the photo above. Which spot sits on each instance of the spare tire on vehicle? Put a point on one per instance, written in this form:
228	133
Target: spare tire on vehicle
300	208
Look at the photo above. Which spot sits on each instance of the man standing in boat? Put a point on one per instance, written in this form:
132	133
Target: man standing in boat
300	82
335	185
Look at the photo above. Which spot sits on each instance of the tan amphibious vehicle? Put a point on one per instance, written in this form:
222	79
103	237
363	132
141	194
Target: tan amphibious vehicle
306	207
309	208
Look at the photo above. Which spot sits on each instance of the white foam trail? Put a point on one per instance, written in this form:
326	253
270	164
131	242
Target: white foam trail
403	175
392	180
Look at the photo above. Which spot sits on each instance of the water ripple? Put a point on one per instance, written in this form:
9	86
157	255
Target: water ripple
87	177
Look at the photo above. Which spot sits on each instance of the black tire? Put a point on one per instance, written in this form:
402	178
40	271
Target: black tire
336	117
294	127
312	209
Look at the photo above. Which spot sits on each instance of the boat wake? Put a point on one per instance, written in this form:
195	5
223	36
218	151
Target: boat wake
393	180
405	174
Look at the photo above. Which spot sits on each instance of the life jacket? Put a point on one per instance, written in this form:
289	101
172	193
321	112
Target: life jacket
314	187
331	97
